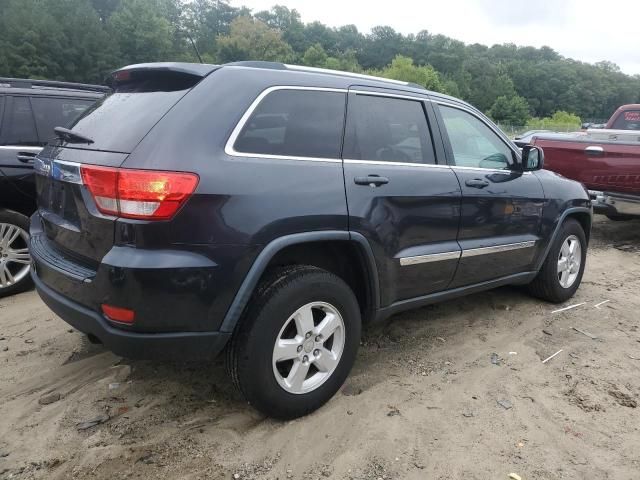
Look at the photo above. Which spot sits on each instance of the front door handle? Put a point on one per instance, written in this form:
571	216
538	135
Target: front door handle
26	157
371	180
594	151
476	183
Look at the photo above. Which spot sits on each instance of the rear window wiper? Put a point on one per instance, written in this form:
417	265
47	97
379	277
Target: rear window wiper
71	136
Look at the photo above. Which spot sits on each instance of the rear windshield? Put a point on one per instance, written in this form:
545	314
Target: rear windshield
629	120
118	122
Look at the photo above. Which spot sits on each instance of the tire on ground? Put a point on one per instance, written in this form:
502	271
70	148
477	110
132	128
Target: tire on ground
250	352
546	284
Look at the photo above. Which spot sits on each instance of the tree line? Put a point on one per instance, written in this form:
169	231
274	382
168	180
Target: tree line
83	40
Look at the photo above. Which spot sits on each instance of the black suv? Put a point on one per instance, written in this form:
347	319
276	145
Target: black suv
29	110
274	209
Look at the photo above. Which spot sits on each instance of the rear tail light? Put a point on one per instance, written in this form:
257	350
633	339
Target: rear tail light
141	194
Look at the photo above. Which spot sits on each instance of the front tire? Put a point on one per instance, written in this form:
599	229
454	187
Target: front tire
562	270
15	260
297	342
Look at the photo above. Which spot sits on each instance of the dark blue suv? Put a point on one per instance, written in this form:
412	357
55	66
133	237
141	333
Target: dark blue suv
271	210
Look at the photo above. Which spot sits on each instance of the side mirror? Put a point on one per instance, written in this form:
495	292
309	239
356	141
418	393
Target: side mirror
532	158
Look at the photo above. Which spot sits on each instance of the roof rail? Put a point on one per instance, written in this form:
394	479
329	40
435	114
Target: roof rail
31	83
302	68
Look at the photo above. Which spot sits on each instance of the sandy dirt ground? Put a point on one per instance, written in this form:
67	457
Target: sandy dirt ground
452	391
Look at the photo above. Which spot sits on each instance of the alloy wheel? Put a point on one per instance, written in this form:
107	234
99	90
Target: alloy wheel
569	261
308	348
15	260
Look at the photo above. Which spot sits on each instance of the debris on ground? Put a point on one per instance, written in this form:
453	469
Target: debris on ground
495	359
393	411
515	476
569	307
549	358
92	423
623	399
547	332
592	337
506	404
49	398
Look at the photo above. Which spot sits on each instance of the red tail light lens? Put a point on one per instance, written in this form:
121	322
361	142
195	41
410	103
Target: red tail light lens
142	194
118	314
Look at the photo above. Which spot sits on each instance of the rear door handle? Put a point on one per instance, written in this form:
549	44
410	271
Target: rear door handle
594	151
476	183
371	180
26	157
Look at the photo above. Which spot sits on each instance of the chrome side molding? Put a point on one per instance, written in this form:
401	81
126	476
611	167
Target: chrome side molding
472	252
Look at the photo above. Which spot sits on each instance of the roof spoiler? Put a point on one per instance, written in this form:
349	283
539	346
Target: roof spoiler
196	69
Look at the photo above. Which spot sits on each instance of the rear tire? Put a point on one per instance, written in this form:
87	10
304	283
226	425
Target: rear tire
14	255
560	277
287	316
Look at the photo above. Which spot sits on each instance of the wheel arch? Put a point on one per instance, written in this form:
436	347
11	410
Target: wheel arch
331	250
583	215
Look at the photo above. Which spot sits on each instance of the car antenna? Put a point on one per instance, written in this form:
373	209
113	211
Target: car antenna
193	44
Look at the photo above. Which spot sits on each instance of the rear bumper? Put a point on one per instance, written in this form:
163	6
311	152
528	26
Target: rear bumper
615	203
178	346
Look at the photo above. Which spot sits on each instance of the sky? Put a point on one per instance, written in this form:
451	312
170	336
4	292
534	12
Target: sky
586	30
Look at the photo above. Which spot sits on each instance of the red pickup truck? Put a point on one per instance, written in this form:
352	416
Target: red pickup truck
606	161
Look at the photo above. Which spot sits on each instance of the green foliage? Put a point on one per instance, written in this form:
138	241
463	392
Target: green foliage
402	68
512	110
251	39
83	40
560	121
315	56
141	31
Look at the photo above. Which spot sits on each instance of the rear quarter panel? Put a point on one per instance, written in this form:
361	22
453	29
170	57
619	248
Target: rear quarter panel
241	203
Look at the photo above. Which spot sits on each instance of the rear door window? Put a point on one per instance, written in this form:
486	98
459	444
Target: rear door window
20	127
52	112
387	129
295	123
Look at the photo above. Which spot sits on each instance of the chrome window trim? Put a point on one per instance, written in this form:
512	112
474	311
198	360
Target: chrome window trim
400	164
494	170
388	94
433	257
473	252
229	148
